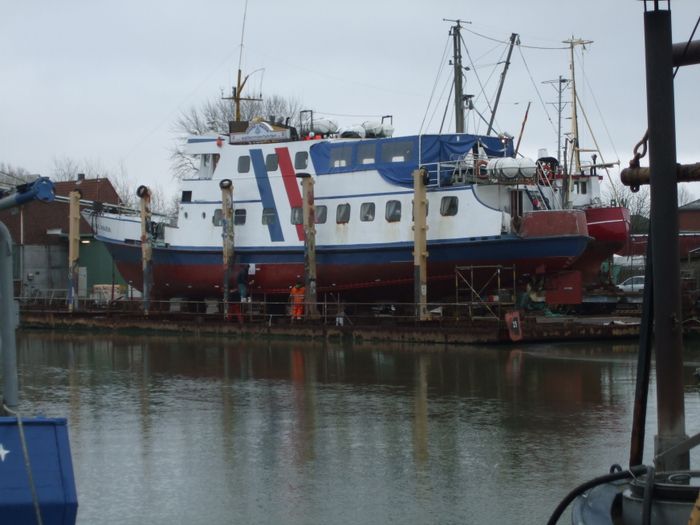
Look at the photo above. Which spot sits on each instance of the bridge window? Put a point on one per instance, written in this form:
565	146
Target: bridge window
400	151
244	164
393	211
449	206
271	162
269	216
367	212
186	196
341	156
366	153
239	216
321	214
342	214
301	160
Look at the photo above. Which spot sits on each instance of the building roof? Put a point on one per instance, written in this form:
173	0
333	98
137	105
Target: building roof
694	205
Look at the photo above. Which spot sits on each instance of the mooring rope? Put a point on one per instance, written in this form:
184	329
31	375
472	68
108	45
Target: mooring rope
27	464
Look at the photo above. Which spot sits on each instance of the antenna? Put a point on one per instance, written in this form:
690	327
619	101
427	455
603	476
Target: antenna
236	95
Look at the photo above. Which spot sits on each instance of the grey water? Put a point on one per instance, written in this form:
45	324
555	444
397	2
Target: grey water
183	430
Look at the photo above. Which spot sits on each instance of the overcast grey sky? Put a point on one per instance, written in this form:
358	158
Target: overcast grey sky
104	81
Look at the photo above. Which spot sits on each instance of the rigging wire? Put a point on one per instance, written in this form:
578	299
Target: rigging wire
483	89
507	43
437	77
539	95
327	113
600	114
449	97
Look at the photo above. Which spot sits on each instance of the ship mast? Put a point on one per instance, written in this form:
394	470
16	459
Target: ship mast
513	40
240	84
576	152
457	63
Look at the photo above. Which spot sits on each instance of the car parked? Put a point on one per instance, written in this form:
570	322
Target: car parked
634	284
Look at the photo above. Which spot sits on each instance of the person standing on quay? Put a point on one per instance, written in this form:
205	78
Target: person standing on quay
297	298
242	280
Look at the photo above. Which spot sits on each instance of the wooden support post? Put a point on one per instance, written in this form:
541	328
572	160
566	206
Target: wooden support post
146	245
227	234
420	244
309	214
73	248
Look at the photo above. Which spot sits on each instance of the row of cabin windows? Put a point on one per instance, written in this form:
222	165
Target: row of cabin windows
364	153
301	162
343	155
392	213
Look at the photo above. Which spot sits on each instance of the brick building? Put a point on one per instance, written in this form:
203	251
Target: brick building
40	243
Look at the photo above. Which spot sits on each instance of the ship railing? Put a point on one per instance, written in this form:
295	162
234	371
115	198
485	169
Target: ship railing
263	311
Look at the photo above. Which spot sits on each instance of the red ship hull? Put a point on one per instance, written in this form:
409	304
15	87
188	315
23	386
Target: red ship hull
610	230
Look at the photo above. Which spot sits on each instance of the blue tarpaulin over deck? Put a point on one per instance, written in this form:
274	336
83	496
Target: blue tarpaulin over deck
396	158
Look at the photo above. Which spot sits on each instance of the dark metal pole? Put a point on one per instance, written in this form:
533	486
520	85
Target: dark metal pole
641	393
459	92
664	232
8	324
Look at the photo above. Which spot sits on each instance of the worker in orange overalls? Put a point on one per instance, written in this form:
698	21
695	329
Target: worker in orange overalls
296	296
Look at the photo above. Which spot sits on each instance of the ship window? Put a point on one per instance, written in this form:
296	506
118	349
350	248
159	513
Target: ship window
427	206
218	218
185	215
204	215
186	196
366	153
301	160
400	151
244	164
239	217
341	156
342	214
321	214
449	206
271	162
367	212
297	216
393	211
269	216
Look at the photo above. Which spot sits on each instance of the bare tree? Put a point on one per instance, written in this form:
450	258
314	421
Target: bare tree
685	196
213	116
638	203
13	175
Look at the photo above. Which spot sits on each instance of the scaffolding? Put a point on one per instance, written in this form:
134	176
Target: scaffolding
481	291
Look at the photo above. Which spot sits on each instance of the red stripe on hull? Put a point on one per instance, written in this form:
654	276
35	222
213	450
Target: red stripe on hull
386	281
610	229
291	184
609	225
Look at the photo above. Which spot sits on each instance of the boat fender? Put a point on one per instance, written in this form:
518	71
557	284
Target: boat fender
481	170
514	325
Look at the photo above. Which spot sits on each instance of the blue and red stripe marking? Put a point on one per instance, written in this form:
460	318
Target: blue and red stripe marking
291	184
266	196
